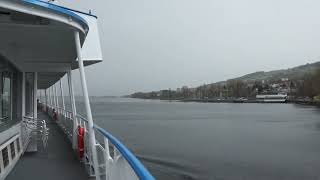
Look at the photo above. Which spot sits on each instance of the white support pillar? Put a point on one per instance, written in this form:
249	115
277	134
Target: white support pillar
63	105
92	138
56	95
35	89
23	114
74	110
53	98
40	98
23	94
62	97
50	96
32	147
46	99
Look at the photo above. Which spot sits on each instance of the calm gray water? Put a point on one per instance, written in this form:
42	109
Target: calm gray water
182	141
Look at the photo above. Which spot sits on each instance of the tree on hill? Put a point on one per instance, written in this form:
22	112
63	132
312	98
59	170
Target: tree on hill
309	86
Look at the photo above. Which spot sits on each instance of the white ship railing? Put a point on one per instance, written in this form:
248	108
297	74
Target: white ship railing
10	152
15	146
116	162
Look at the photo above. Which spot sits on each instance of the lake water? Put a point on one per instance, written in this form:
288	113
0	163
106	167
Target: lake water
183	141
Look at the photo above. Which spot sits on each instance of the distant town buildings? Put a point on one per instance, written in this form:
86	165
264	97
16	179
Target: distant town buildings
234	89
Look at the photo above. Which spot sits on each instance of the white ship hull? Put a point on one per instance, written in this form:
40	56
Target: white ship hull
272	98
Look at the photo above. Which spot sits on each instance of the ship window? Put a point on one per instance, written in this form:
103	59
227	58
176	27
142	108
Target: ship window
10	94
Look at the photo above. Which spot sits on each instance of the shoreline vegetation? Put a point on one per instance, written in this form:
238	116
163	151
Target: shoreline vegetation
292	101
298	85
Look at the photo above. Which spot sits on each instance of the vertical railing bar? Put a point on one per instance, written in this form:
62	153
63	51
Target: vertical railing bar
9	154
15	148
1	161
115	152
21	146
106	157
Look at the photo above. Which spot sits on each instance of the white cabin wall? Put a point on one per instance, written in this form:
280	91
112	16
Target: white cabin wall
91	49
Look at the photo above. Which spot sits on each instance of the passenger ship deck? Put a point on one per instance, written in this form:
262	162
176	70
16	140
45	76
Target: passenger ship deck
42	43
57	161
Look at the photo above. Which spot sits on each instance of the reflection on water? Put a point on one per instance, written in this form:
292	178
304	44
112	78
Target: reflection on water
216	141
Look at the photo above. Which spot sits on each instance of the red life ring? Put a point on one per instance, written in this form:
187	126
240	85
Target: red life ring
80	141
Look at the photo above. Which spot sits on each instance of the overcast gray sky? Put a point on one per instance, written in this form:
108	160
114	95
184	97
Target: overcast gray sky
160	44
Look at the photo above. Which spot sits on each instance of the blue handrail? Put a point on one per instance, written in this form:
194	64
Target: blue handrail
82	117
59	9
74	10
136	165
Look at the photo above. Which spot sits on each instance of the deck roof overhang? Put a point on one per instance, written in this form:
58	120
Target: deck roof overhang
39	37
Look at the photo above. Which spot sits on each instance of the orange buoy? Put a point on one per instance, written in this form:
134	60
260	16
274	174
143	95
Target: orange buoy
80	141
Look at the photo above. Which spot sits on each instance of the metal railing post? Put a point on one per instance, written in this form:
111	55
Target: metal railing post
15	148
92	139
106	156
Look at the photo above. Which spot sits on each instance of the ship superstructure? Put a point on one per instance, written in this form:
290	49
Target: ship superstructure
40	43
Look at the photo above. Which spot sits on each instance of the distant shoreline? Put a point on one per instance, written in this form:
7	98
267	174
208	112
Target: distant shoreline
313	103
